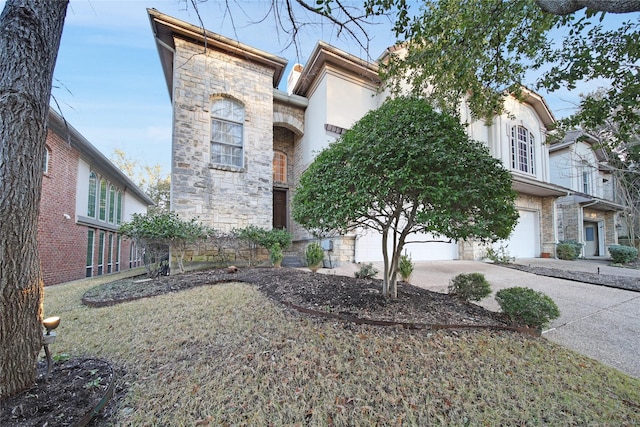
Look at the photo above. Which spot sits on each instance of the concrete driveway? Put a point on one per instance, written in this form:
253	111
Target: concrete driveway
597	321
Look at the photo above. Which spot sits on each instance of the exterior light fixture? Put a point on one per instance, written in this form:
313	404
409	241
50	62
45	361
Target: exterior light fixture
50	323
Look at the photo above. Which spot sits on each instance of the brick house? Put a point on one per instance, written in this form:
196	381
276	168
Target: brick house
84	199
240	143
589	213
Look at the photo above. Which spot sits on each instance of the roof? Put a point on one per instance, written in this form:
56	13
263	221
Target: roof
166	28
540	106
324	54
59	125
573	136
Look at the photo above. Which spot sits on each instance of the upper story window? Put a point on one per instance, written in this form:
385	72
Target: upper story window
522	150
93	191
47	154
585	177
102	211
104	201
279	167
119	208
112	204
227	122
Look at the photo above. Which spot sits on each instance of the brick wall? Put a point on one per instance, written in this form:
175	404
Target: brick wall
62	244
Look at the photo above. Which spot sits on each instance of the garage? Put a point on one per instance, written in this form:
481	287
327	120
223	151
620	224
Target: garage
524	242
431	248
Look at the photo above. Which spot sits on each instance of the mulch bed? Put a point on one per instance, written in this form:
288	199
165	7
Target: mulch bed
75	389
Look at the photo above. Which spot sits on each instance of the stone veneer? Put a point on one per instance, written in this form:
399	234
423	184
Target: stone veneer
222	197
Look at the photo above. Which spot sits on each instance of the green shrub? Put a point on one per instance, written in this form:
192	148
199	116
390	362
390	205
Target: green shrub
405	267
527	307
568	249
470	287
622	254
367	271
313	255
500	255
276	255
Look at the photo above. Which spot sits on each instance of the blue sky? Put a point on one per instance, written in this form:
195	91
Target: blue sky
109	83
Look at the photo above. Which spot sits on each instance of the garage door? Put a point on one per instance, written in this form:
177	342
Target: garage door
524	242
369	247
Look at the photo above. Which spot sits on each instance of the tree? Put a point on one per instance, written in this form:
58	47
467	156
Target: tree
481	51
155	231
30	32
405	168
151	179
565	7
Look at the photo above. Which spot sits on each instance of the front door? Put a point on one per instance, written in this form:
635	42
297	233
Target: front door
590	239
280	209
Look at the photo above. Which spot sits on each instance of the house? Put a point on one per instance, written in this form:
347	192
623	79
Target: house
240	143
589	213
84	199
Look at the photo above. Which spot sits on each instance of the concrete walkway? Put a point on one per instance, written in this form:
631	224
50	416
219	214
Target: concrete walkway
597	321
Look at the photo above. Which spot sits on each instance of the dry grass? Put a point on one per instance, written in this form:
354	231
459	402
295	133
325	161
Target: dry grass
226	355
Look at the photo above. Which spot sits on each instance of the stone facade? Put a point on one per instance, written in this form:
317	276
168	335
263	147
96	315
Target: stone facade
224	197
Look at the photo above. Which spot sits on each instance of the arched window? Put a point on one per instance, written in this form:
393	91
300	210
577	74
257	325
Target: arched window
112	204
119	208
522	150
227	122
102	212
93	190
47	154
279	167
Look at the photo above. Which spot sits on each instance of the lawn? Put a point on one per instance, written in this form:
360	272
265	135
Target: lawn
228	355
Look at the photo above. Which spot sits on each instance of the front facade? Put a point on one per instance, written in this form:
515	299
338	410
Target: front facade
84	199
589	214
240	144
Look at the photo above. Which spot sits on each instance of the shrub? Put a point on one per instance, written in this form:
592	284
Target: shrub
405	267
622	254
367	271
568	249
470	287
276	255
500	255
527	307
313	255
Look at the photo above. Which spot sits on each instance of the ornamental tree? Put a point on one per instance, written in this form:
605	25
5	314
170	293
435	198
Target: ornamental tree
155	231
406	168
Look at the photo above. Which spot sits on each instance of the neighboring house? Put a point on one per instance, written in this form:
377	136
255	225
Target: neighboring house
84	199
240	144
589	214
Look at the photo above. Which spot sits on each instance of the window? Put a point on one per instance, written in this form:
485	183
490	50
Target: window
90	238
112	204
110	253
279	167
101	253
119	208
522	150
227	121
93	190
45	167
103	201
586	177
118	244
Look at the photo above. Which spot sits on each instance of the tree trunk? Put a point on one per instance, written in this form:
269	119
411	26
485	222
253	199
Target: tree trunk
30	32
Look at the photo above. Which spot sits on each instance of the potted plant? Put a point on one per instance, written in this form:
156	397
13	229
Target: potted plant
314	255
